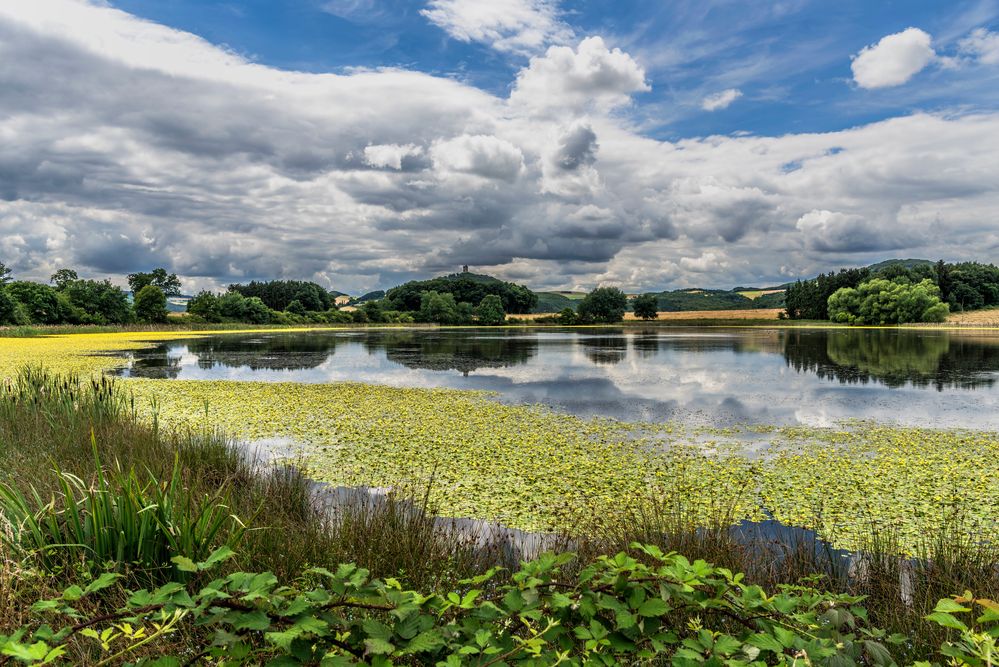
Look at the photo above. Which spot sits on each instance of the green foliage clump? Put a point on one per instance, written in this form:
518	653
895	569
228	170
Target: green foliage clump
881	301
238	308
490	310
646	306
151	305
604	305
441	308
634	608
205	305
278	294
463	287
168	283
103	302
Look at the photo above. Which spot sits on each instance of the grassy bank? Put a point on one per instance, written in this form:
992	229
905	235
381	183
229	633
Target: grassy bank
82	470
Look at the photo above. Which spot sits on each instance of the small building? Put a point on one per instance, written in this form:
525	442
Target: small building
342	300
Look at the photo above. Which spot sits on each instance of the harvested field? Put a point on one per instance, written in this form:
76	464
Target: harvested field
985	318
747	314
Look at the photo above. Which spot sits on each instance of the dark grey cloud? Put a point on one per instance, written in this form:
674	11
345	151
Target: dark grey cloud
577	147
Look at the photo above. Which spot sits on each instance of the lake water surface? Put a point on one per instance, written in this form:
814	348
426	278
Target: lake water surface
717	377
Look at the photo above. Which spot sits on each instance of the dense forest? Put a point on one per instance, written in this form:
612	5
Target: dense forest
466	288
878	293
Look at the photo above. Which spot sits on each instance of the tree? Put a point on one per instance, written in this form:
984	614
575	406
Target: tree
169	284
296	308
206	306
151	305
490	311
8	307
278	294
604	305
438	308
646	306
40	302
881	301
468	287
64	277
373	310
256	311
103	302
5	276
568	317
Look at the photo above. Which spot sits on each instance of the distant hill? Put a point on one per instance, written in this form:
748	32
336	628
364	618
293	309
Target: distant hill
556	302
906	263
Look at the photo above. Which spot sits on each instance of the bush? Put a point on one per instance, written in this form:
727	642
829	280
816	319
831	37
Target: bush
882	301
206	306
604	305
296	308
151	305
103	302
490	311
8	308
646	306
438	308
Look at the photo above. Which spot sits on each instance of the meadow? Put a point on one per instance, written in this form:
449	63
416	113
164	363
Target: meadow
916	506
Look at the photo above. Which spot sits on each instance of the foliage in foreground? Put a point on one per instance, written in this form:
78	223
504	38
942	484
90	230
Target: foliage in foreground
619	609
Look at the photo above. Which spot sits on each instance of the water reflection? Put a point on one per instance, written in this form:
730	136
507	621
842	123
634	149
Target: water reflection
894	358
717	376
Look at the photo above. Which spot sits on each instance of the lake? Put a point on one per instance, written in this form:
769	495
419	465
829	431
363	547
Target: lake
712	377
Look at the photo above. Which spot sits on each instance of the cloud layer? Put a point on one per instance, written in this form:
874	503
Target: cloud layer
126	145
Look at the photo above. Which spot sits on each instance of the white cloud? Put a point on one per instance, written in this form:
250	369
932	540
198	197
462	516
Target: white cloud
893	60
721	100
515	26
267	173
480	155
982	46
390	155
588	77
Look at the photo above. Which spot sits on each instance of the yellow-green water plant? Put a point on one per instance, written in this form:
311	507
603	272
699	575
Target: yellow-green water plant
846	482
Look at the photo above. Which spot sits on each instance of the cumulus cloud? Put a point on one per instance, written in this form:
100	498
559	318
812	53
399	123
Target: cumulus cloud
263	173
981	45
588	77
390	155
830	231
480	155
894	59
515	26
720	100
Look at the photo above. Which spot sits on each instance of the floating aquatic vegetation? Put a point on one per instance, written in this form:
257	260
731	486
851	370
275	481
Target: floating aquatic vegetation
535	469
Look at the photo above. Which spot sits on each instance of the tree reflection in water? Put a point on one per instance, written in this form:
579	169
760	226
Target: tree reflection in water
936	359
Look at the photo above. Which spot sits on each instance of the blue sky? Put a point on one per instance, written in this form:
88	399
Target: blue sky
562	144
790	59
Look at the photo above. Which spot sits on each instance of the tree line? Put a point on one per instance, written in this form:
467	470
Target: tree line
68	299
894	293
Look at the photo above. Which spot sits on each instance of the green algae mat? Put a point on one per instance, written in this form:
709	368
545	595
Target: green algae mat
532	468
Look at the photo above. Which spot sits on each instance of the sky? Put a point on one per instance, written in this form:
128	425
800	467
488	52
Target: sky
647	144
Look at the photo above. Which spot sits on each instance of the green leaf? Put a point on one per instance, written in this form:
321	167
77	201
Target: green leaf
765	642
950	606
253	620
377	646
101	582
946	620
653	607
184	564
425	642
